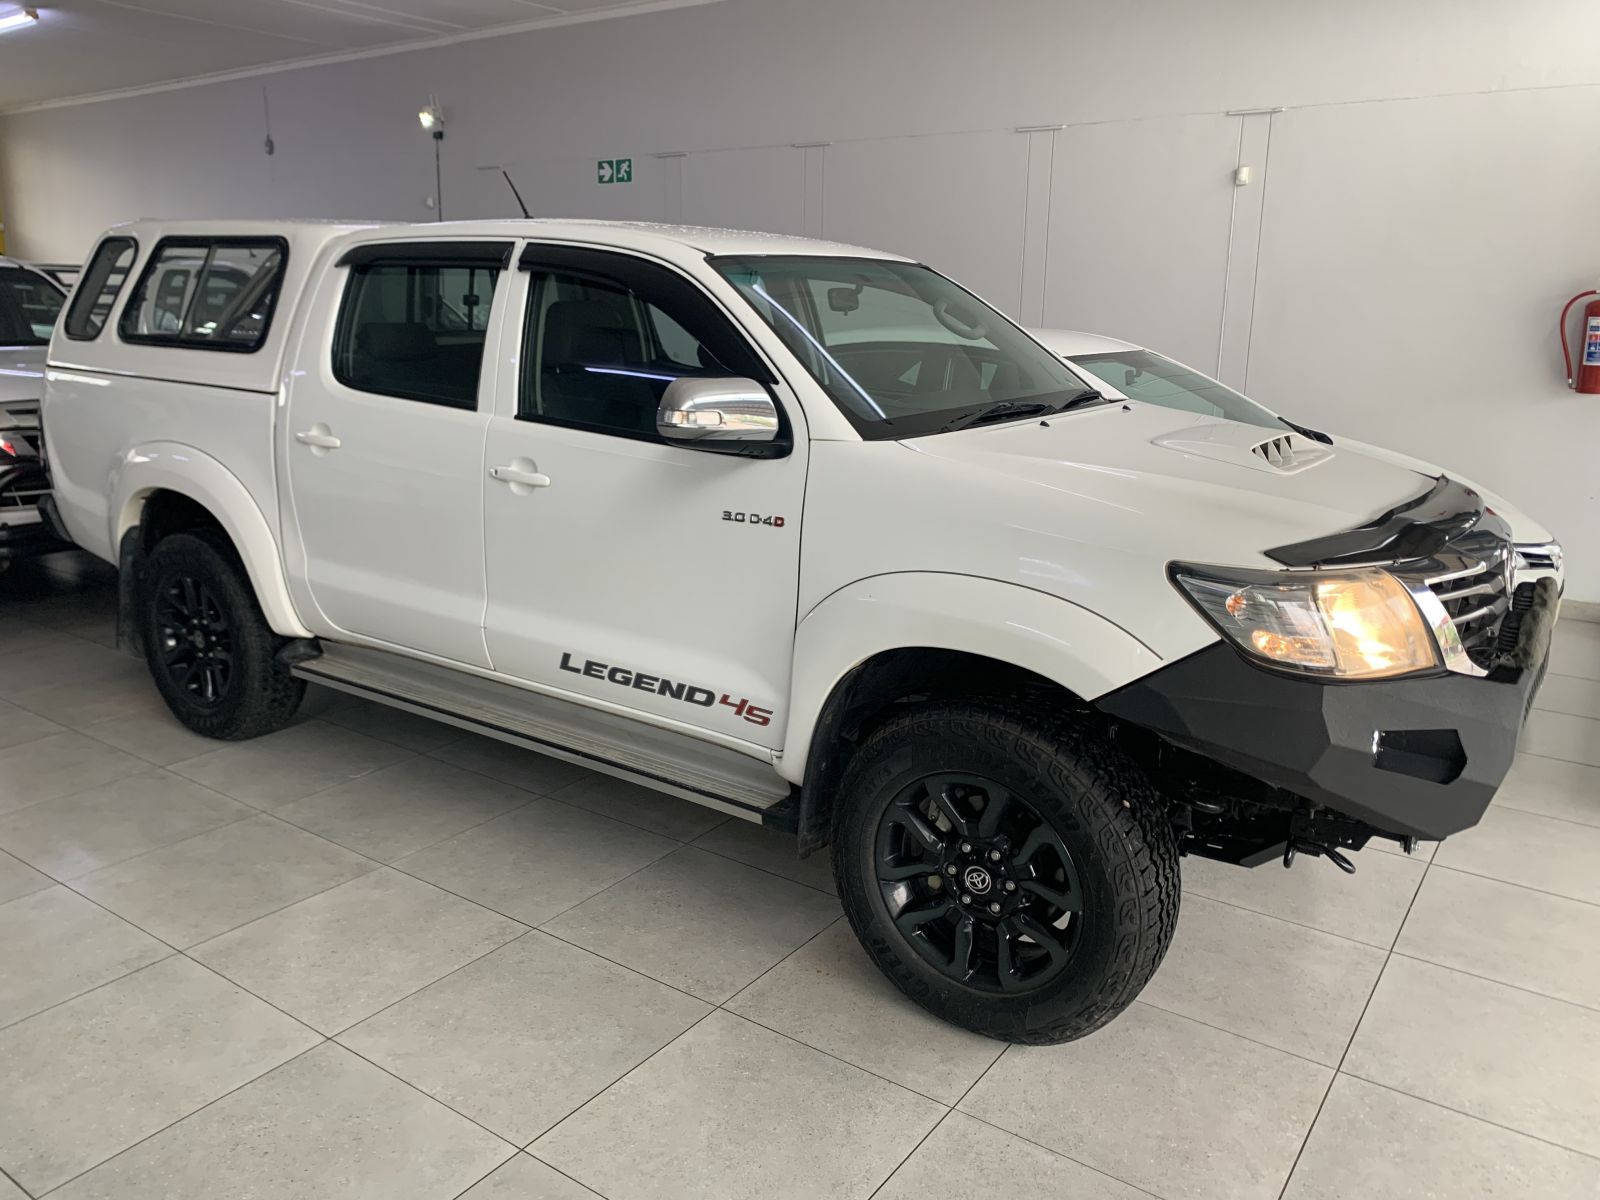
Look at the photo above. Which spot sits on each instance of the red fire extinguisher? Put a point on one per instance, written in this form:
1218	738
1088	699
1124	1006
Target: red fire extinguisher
1586	377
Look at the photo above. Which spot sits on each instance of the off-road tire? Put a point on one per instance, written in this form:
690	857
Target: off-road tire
261	696
1091	795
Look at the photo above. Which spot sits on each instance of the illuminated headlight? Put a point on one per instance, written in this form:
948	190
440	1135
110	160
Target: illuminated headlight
1347	625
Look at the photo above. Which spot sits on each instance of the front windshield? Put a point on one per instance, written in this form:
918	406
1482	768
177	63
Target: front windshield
900	349
1141	375
28	306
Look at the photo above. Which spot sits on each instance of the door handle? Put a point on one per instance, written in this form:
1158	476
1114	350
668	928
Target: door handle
519	476
318	438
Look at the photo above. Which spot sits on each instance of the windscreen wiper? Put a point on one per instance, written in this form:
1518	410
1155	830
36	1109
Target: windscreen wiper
1004	410
1010	410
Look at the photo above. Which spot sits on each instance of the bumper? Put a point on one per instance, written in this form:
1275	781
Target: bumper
1420	757
24	528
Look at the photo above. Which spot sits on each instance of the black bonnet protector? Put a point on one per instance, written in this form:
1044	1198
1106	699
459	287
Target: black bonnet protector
1418	528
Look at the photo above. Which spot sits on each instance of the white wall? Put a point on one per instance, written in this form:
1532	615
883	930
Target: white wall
1419	209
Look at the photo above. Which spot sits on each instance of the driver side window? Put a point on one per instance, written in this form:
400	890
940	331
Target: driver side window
606	334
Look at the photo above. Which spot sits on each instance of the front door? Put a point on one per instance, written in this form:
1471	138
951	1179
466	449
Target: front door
622	568
384	444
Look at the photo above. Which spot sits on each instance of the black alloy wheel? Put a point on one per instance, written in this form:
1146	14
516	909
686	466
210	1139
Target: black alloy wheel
979	883
211	653
195	640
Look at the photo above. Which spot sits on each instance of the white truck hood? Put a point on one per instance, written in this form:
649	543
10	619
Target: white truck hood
1218	487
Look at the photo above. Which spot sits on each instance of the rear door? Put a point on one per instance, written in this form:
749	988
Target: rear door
384	448
622	568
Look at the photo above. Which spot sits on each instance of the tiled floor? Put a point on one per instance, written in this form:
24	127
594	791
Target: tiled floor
369	956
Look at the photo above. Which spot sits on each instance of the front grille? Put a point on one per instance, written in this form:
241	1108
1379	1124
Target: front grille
1545	557
1473	585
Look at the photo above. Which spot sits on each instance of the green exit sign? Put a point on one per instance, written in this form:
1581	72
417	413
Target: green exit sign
614	170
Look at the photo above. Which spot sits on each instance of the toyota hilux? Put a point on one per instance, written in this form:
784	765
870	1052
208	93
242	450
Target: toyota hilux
801	531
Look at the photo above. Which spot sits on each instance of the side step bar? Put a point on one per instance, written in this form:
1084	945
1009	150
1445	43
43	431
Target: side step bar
644	754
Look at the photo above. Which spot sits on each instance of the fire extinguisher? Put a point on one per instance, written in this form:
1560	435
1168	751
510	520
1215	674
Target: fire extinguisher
1586	377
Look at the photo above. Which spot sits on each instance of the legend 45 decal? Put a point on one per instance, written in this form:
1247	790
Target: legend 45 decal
688	693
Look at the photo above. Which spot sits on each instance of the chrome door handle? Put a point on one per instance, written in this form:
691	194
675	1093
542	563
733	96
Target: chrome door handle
533	479
318	438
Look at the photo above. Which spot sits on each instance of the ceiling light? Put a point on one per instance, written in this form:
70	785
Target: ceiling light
21	19
431	118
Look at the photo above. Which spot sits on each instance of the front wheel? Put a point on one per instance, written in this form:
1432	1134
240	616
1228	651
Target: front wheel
209	649
1014	876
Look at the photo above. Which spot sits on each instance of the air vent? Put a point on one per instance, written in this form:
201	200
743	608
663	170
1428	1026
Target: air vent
1286	452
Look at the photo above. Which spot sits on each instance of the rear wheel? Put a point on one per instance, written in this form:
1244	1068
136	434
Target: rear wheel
210	650
1013	876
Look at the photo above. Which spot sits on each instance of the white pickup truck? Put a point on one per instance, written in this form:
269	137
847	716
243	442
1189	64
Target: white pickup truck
803	532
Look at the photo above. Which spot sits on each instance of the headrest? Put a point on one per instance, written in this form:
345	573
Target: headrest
590	330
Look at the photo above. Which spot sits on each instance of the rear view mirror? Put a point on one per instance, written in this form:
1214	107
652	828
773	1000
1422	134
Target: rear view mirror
716	410
844	299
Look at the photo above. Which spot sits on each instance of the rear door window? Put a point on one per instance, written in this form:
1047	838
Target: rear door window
415	320
98	288
207	293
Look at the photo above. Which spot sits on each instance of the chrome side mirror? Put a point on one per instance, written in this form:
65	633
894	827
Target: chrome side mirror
716	410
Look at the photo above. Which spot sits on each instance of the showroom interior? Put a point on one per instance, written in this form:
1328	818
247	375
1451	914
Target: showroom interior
370	943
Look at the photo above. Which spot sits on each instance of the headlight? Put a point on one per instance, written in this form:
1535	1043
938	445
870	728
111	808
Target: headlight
1347	624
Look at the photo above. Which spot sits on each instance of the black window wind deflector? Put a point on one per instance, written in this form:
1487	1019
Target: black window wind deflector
428	254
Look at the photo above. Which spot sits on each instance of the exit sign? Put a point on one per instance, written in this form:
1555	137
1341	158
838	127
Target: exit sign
614	170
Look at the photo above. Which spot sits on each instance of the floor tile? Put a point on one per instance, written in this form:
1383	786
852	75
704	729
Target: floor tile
18	725
87	830
1575	649
10	1191
323	1124
404	808
655	811
89	1078
1543	853
1569	694
538	773
828	994
757	846
1511	1057
345	953
83	702
1378	1144
17	878
1561	735
1367	906
58	766
52	660
965	1157
200	887
54	944
154	735
1161	1102
525	1178
1501	931
1552	788
1298	989
417	733
698	921
523	1036
702	1119
289	765
539	860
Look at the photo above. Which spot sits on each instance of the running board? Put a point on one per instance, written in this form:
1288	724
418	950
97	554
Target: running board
644	754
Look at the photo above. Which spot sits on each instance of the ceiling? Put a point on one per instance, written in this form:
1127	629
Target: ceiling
87	47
